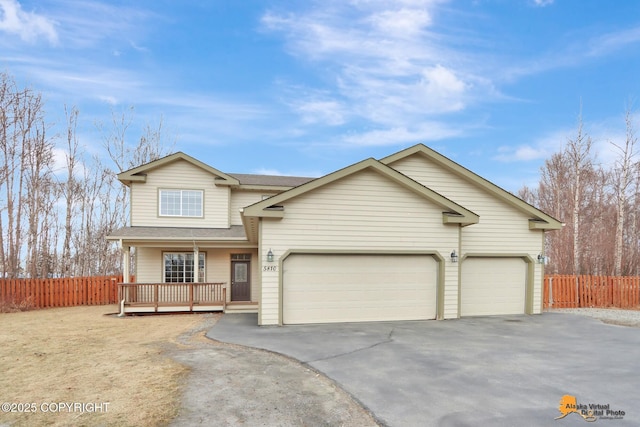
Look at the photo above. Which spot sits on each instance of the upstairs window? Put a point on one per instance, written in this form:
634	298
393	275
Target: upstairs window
181	203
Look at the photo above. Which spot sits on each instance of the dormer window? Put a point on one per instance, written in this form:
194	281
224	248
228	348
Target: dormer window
185	203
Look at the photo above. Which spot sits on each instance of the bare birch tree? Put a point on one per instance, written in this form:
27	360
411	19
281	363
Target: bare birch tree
70	188
578	152
26	154
623	179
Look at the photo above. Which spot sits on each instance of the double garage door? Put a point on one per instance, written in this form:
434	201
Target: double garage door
358	288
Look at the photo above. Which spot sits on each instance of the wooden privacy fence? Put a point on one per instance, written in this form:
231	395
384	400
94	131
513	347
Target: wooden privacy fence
61	292
567	291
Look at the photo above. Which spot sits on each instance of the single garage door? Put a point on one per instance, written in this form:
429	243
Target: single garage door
358	288
493	286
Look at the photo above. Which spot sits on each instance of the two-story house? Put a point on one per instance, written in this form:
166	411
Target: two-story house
411	236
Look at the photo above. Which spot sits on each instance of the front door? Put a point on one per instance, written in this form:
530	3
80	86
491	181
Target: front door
240	281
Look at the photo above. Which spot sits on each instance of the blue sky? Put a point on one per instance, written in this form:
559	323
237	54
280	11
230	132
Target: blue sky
308	87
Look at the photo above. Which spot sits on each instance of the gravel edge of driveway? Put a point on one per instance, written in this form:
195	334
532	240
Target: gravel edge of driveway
231	384
614	316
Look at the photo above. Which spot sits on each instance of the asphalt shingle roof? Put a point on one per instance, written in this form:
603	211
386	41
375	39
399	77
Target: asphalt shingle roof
271	180
178	233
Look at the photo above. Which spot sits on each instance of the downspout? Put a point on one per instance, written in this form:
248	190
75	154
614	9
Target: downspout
121	314
125	276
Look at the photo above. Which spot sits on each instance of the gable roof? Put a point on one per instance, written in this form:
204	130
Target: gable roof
453	213
139	174
540	220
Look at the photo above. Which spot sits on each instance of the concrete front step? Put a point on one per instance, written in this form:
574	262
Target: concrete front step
241	307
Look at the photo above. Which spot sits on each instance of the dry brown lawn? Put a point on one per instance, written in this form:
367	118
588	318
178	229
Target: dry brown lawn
80	355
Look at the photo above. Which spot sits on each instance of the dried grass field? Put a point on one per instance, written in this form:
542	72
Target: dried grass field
81	356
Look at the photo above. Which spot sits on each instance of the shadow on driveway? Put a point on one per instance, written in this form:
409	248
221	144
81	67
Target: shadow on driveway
493	371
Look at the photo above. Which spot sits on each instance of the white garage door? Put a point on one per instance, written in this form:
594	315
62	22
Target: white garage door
358	288
493	286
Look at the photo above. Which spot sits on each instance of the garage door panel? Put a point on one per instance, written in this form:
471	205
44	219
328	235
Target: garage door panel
355	288
493	286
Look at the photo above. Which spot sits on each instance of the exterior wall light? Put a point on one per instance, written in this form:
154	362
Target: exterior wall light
541	259
454	256
269	256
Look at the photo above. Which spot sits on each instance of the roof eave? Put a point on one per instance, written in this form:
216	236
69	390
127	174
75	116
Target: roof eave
536	224
456	218
256	187
176	239
251	226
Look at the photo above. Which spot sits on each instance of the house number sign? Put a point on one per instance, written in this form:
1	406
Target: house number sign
271	268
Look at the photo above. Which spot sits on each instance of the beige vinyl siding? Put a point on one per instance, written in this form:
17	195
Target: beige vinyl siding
502	228
180	175
150	266
243	198
365	211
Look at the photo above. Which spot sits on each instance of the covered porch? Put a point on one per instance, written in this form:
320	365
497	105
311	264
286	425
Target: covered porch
187	270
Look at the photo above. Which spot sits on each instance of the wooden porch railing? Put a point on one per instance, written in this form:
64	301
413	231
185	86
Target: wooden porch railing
157	295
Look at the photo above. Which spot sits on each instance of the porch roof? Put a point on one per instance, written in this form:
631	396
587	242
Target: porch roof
235	232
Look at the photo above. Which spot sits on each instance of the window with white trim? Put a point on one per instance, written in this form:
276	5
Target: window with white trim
178	267
186	203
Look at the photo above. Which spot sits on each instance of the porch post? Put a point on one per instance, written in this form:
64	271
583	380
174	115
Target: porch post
126	261
196	265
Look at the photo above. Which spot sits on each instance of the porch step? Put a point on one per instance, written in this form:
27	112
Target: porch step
241	307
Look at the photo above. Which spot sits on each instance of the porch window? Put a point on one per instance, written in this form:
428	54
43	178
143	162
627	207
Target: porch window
181	203
178	267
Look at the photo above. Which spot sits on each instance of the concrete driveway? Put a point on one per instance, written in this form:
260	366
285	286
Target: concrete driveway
493	371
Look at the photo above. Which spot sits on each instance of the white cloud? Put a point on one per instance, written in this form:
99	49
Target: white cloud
329	112
401	135
584	48
523	153
540	148
276	172
315	106
402	23
610	42
390	65
543	3
111	100
442	84
29	26
60	162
